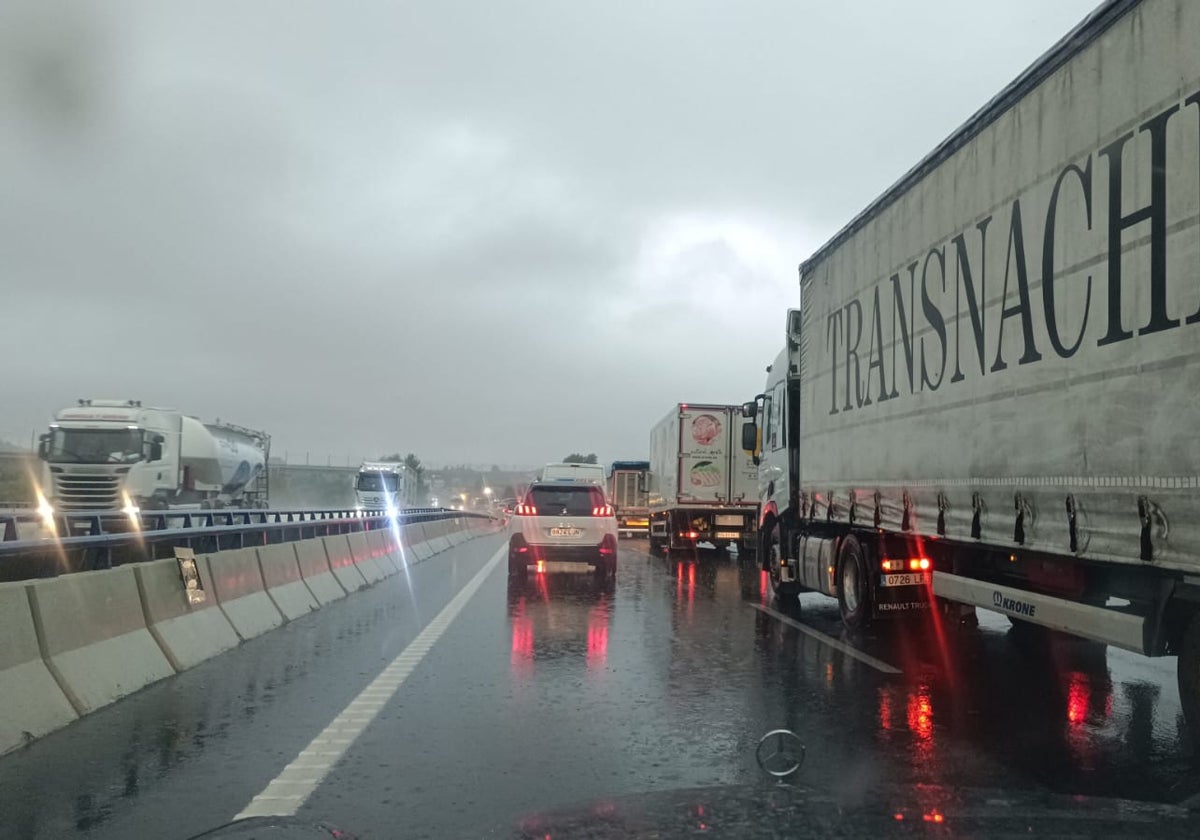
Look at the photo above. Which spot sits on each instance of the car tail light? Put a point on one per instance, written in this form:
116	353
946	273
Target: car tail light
603	510
526	510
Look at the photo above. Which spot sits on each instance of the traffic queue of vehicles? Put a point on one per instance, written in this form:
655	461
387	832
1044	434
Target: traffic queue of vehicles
987	397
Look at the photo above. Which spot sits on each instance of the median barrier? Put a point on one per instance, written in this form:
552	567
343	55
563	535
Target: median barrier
341	563
94	638
241	593
436	532
383	545
187	633
383	542
285	586
418	543
314	568
34	704
364	557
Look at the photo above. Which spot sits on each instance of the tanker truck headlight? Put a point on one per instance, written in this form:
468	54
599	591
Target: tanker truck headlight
45	509
130	509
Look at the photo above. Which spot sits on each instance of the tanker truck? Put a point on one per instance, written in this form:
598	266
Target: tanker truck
103	455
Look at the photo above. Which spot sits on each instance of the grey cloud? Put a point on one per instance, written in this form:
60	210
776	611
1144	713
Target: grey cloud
480	233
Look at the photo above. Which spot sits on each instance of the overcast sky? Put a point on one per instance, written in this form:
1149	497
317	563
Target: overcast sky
481	231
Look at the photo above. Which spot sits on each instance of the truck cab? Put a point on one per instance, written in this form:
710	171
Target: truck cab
105	455
872	574
384	485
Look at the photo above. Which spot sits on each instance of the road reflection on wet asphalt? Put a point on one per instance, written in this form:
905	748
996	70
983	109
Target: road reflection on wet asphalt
564	690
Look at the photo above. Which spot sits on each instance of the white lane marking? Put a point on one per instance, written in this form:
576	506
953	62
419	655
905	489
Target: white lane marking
288	791
877	664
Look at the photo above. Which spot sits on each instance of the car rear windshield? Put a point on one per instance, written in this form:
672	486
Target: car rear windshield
568	500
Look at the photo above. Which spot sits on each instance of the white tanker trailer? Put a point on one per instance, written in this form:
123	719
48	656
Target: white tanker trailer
118	454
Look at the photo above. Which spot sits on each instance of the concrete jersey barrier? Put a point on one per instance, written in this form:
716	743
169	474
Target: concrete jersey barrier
187	633
419	543
435	532
34	704
341	563
383	545
363	558
314	568
95	638
285	586
241	593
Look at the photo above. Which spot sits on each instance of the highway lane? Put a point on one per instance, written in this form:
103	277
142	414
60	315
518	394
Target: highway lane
560	692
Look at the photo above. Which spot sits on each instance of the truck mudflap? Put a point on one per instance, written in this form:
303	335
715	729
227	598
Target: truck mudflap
1100	624
896	601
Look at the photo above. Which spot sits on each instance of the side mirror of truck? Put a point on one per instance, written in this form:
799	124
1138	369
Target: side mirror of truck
750	410
750	438
43	447
156	448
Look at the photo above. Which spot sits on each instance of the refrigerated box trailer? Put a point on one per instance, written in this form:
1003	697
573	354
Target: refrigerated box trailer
703	488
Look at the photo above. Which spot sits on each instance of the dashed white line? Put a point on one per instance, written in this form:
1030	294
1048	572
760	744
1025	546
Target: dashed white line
877	664
288	791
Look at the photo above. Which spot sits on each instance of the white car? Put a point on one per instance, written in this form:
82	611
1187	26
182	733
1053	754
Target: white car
563	526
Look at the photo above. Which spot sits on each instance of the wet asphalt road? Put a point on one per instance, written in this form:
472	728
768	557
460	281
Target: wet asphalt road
561	692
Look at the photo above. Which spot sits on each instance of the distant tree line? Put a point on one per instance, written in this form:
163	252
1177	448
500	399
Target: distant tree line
576	458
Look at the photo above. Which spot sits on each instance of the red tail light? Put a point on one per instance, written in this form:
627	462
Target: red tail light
603	510
526	510
914	564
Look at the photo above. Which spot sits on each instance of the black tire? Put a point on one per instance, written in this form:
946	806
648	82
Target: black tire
1187	673
854	584
517	567
606	570
785	593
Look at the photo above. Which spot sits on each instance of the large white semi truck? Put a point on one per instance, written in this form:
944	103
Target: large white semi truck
385	485
105	455
702	487
990	393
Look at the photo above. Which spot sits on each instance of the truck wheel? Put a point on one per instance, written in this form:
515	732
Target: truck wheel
785	592
854	585
1187	672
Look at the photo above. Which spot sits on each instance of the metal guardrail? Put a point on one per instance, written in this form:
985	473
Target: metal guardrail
97	523
161	532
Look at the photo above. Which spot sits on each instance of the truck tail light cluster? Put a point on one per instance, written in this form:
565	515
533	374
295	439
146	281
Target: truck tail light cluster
911	564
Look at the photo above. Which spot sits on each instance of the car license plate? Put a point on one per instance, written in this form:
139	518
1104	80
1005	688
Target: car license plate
565	532
561	566
903	579
728	535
